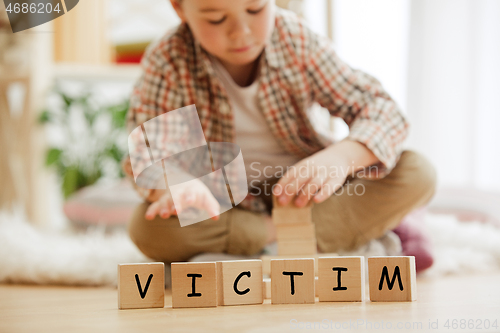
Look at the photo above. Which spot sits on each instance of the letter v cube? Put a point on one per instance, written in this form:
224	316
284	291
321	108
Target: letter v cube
141	285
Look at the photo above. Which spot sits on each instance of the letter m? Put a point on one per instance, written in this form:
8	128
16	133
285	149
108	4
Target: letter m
390	283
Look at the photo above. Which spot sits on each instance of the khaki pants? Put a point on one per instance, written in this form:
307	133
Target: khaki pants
343	221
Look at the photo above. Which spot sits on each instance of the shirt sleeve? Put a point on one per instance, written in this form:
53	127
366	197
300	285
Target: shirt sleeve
155	146
373	117
155	91
150	97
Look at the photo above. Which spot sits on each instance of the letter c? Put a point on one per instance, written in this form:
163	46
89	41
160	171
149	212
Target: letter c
235	286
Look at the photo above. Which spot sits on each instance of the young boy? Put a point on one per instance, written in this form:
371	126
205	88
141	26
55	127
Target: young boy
253	71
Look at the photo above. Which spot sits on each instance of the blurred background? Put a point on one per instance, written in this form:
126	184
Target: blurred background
64	89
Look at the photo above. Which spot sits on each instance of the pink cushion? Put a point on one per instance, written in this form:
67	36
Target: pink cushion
103	204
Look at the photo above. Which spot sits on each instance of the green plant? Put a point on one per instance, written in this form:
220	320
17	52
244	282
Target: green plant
89	140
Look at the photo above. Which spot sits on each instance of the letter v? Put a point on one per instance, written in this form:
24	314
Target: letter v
143	293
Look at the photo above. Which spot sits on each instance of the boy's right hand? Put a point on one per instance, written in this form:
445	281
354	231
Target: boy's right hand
196	195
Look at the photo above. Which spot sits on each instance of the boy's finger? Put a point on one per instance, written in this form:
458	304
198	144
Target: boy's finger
172	209
329	187
165	206
178	207
152	210
165	213
189	199
211	205
292	181
291	190
308	191
127	166
289	176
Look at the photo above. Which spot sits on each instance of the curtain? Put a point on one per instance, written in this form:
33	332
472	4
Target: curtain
454	89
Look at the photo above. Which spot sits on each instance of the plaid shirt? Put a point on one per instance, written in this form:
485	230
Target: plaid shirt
298	68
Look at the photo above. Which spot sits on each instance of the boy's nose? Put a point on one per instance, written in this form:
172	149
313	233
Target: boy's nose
239	28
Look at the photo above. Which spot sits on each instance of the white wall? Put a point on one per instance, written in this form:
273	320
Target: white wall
140	20
454	85
372	35
439	60
314	12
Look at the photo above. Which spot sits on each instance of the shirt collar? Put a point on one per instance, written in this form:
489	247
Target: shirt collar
272	50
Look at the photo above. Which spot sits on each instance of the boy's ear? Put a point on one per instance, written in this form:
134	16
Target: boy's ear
176	4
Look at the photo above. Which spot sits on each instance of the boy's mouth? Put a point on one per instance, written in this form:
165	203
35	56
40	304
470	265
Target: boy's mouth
242	49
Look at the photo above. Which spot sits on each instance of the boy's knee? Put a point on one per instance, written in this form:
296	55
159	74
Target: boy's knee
157	238
136	221
416	175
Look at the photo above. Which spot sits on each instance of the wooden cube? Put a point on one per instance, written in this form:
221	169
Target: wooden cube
141	286
298	247
292	281
239	282
392	279
286	232
194	284
266	287
291	204
266	260
291	215
341	279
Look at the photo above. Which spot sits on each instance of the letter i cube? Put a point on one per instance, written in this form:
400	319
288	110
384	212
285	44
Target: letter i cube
194	284
341	279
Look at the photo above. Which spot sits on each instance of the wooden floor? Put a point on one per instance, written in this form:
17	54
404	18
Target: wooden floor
472	299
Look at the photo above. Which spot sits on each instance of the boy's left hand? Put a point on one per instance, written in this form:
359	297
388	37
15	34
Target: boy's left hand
320	175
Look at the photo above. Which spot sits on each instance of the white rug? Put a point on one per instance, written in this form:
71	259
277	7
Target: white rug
462	247
28	255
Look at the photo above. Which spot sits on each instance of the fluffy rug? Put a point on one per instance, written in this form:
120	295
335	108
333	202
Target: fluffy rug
29	255
462	247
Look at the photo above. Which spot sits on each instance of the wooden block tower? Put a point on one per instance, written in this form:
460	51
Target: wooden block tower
294	228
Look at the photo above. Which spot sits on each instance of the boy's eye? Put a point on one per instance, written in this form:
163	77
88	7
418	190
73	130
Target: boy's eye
256	11
218	21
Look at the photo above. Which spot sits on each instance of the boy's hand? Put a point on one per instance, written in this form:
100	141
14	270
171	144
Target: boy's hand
195	195
323	173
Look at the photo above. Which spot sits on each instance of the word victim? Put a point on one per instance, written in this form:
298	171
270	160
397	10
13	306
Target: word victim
292	281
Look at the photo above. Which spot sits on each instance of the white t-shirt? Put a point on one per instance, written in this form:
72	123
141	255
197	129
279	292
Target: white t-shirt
263	156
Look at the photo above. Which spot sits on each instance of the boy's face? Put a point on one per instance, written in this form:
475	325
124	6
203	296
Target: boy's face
235	31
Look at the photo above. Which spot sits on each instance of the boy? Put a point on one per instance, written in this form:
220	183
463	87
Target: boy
253	71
